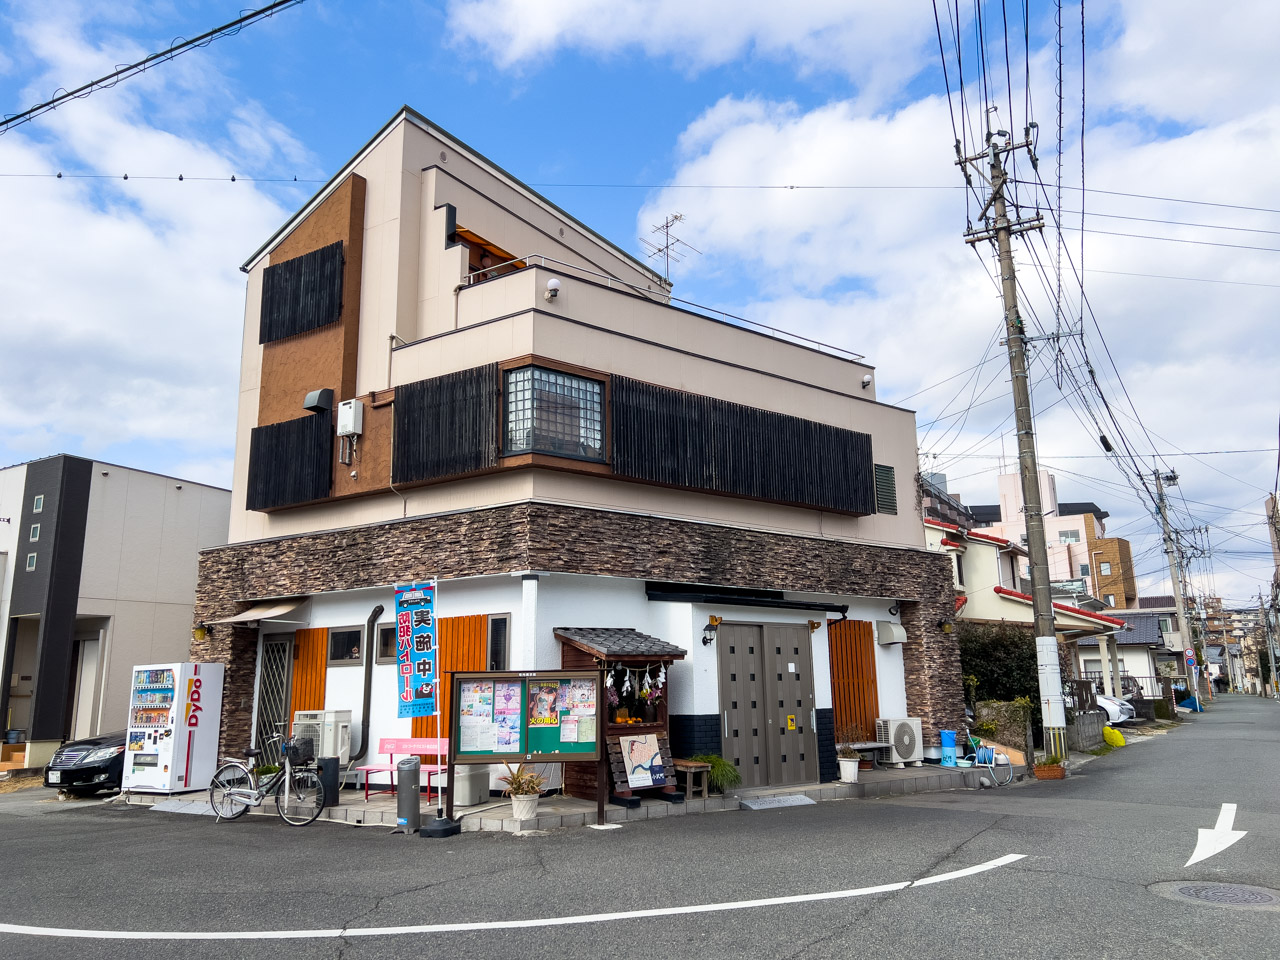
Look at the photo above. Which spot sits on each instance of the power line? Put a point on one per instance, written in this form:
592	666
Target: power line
233	178
125	72
1147	196
1160	276
1197	243
1188	453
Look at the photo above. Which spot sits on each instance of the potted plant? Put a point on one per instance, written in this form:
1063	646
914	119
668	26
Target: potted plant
524	786
1050	768
848	758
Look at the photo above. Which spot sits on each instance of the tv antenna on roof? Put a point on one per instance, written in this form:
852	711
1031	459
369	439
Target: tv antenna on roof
670	248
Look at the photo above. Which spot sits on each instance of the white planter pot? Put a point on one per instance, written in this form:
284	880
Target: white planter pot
524	807
848	770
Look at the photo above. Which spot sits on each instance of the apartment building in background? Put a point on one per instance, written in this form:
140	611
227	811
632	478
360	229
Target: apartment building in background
97	574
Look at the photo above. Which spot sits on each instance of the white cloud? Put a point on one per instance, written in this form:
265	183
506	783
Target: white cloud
886	273
123	304
877	45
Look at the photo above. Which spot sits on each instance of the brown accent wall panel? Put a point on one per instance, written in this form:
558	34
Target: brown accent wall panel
310	663
463	641
325	357
853	678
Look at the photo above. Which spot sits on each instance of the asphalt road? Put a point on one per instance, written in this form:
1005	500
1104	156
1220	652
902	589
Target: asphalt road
1092	847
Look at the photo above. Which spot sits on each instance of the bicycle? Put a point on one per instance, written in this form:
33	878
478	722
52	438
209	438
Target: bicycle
299	792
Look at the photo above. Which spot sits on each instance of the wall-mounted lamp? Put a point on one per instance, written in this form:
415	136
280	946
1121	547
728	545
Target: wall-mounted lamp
553	289
199	632
709	631
946	626
814	626
894	608
866	381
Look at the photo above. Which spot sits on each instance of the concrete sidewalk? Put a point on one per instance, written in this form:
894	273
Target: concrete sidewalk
558	812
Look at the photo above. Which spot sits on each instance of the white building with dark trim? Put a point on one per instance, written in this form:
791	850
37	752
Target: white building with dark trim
444	374
97	574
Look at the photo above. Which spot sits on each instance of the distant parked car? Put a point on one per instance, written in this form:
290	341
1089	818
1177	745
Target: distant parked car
87	766
1117	710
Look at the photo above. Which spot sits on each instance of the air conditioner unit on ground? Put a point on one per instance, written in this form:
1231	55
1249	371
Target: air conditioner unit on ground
902	740
329	730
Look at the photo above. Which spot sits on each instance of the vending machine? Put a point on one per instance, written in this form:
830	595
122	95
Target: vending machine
175	710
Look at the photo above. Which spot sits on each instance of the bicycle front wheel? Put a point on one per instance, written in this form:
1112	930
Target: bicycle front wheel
229	777
301	798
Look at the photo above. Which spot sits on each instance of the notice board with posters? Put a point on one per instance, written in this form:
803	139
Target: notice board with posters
546	716
417	655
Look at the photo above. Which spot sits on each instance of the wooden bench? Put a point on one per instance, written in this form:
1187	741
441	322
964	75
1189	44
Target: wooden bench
695	776
437	747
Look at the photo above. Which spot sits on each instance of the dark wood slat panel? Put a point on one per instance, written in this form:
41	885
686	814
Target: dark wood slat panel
703	443
446	426
301	294
290	462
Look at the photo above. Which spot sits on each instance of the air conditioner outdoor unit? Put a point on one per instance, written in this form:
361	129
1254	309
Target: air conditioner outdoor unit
901	739
329	730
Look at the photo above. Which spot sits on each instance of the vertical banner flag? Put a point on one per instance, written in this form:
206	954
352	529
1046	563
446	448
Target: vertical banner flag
416	648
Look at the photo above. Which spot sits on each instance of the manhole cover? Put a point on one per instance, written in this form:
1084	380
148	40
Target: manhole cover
1237	895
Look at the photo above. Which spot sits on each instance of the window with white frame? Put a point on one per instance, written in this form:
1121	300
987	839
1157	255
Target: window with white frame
499	641
1109	599
34	535
37	505
1104	568
31	562
1069	536
1166	624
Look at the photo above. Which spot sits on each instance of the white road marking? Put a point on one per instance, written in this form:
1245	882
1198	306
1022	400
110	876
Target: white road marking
493	924
970	871
1211	842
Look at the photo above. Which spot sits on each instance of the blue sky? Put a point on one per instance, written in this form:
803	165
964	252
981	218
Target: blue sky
122	302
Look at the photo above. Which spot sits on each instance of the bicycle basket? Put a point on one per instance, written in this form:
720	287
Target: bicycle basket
301	750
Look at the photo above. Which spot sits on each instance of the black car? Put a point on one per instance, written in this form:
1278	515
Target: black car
87	766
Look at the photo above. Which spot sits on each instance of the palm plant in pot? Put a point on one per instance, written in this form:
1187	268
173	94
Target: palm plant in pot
524	786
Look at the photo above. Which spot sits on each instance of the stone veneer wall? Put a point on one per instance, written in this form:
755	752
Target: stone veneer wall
563	539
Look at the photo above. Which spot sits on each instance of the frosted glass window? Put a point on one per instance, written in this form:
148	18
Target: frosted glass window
553	412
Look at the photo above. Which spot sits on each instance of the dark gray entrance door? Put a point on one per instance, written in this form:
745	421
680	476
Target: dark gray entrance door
766	703
742	700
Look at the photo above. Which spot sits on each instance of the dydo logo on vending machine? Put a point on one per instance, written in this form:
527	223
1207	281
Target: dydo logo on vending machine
193	708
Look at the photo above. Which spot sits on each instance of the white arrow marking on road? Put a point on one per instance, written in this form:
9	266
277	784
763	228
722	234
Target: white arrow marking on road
1219	838
495	924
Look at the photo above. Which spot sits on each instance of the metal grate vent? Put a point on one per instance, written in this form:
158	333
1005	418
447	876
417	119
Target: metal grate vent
886	489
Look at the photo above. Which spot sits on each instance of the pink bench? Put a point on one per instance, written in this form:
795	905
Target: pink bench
437	747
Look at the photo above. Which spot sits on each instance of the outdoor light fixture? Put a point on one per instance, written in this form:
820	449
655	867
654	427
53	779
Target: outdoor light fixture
709	631
945	626
199	632
553	289
866	381
814	625
893	609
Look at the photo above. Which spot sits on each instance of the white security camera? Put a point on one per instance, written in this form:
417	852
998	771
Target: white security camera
553	289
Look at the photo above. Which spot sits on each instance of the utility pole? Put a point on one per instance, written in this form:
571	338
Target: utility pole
998	227
1175	575
1268	638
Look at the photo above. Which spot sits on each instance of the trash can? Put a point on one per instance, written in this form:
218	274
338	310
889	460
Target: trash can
408	795
329	768
948	747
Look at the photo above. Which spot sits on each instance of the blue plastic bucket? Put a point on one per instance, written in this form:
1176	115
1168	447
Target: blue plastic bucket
948	737
948	756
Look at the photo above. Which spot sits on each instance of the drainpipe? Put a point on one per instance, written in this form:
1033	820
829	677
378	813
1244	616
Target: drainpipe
370	651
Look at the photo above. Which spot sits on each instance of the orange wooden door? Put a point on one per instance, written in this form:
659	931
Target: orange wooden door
463	642
853	679
310	662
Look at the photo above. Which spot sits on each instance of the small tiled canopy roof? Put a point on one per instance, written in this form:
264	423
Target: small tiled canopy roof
619	643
